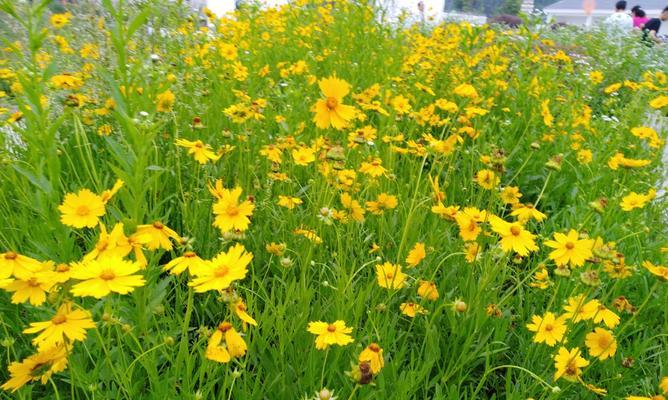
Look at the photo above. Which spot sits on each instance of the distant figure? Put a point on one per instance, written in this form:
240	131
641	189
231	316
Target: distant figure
512	21
420	6
639	17
656	29
619	21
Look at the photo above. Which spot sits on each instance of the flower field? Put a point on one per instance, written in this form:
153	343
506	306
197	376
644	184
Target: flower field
309	202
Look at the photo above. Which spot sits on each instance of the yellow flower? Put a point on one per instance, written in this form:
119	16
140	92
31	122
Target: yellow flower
353	206
596	77
114	243
201	151
83	209
165	101
17	265
189	260
548	329
548	119
289	202
222	270
331	111
389	276
412	309
569	364
427	290
635	200
569	249
663	385
601	343
239	308
60	20
401	105
472	252
584	156
303	155
416	255
658	270
109	193
525	212
511	195
487	179
156	236
230	214
466	90
659	102
329	334
578	309
513	236
37	367
234	344
373	167
373	354
67	324
383	202
107	275
31	286
607	316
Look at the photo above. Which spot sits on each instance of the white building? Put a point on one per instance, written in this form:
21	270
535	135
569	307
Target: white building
572	11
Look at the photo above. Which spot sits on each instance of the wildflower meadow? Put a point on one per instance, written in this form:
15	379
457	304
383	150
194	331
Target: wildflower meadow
313	202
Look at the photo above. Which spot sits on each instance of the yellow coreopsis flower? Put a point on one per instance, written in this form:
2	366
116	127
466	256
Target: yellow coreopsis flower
658	270
525	212
487	179
466	90
427	290
353	206
60	20
230	213
607	316
67	325
513	236
113	243
373	167
416	255
165	101
201	151
234	344
303	156
569	364
83	209
189	260
389	276
289	202
331	111
240	310
222	270
659	102
32	286
37	367
17	265
106	275
636	200
569	249
373	354
601	343
330	334
578	309
412	309
383	202
155	236
548	329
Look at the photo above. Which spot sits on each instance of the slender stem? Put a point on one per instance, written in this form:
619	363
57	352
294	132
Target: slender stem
324	364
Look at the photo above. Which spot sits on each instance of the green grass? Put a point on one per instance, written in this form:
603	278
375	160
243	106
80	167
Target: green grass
151	343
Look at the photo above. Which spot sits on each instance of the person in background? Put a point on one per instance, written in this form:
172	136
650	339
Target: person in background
656	29
639	17
620	21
